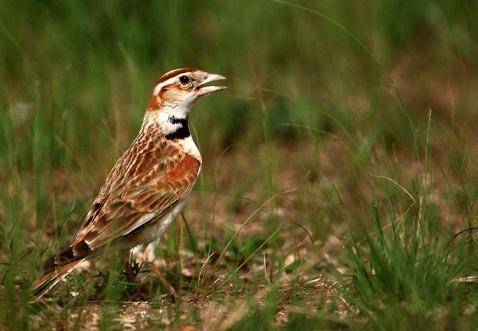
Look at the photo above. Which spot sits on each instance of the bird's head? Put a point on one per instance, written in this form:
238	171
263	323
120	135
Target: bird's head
180	88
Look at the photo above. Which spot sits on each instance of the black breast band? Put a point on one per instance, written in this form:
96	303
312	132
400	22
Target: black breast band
182	131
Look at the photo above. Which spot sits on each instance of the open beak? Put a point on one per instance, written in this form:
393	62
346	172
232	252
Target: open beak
203	90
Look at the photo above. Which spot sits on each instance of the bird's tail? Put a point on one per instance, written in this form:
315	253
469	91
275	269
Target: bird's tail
51	279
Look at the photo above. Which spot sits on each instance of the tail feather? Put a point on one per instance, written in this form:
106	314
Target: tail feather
51	279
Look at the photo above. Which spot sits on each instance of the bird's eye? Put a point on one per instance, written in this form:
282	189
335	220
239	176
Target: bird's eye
184	80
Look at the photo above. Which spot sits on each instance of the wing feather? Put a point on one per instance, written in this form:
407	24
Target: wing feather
147	182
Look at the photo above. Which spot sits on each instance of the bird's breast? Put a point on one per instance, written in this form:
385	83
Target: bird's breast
188	146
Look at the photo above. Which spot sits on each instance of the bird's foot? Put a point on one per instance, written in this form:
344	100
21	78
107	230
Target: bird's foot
131	270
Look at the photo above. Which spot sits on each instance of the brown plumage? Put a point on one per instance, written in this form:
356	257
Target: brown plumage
148	185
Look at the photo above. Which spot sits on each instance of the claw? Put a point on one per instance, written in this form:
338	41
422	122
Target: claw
131	270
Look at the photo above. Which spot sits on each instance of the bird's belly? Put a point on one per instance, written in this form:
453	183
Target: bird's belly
160	226
145	253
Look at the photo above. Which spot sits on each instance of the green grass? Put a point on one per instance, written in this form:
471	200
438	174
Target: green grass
340	174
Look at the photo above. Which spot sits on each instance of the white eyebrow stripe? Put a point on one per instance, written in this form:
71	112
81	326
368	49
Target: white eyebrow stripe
169	81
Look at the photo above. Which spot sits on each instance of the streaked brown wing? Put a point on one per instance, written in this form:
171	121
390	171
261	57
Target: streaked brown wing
138	190
113	182
122	216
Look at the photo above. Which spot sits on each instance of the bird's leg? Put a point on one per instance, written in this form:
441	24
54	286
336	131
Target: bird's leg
131	269
163	280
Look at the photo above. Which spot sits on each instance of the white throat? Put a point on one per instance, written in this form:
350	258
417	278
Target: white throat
168	118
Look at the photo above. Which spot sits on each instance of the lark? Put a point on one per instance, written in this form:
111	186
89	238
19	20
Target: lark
147	187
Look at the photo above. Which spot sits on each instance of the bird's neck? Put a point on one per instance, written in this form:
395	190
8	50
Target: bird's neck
172	122
171	125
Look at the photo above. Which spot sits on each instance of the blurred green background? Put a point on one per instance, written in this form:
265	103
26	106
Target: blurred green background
325	97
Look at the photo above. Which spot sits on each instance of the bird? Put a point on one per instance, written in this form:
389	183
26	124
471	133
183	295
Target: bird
146	188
